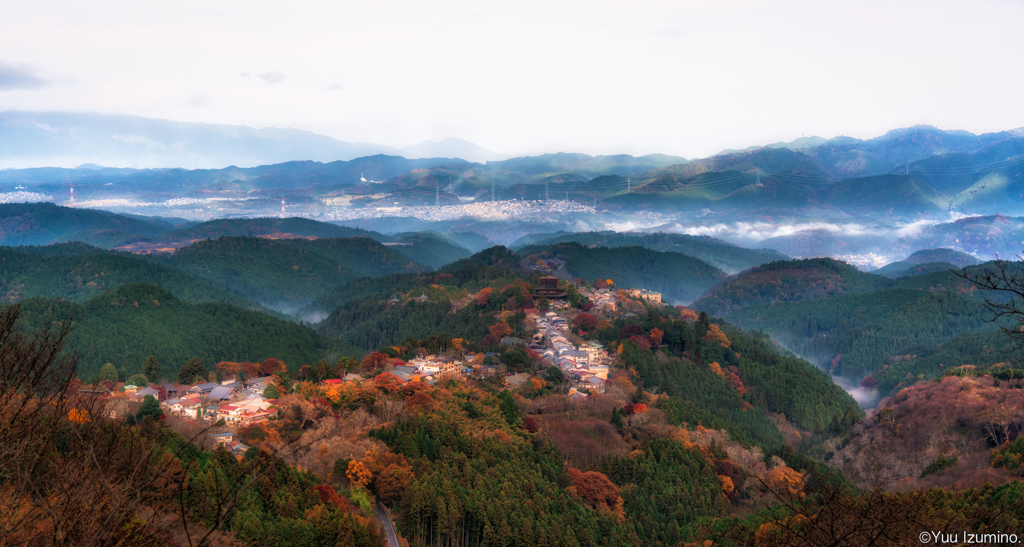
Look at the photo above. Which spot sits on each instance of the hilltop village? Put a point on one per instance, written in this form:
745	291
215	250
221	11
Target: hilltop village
242	400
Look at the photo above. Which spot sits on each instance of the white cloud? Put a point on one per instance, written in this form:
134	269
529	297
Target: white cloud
20	76
686	77
271	77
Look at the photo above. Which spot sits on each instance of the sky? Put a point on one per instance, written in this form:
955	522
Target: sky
687	78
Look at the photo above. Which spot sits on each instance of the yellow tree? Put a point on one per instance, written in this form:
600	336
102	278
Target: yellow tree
358	474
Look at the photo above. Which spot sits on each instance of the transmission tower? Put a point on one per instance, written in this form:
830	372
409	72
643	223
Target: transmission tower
437	196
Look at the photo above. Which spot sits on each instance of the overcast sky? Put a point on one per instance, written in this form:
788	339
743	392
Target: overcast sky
688	78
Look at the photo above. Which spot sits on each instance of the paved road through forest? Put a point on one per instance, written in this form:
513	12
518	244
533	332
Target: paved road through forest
389	527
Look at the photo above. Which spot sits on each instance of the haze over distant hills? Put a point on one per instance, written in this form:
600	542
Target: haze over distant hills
66	139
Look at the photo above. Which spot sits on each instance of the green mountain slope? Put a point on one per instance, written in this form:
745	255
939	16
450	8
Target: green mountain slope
903	269
852	334
430	248
284	274
267	226
678	277
788	281
137	320
43	223
925	256
69	271
725	256
900	194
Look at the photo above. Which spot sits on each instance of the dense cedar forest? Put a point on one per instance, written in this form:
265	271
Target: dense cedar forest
43	223
285	274
867	329
125	326
77	272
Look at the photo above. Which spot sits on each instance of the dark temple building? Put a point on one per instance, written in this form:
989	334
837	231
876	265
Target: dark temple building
547	287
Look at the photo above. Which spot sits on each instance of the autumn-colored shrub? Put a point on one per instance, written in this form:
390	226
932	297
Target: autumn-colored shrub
716	334
784	480
358	475
500	330
585	321
483	296
374	361
597	491
272	365
657	335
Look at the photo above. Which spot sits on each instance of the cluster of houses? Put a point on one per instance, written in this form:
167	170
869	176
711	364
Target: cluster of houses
585	366
650	296
227	440
237	403
603	299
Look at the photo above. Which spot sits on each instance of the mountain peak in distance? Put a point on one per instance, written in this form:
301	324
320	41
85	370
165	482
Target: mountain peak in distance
451	147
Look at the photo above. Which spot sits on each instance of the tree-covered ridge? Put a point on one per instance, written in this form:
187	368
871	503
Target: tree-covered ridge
253	227
788	281
903	269
285	274
720	254
729	379
482	476
926	256
455	281
430	249
973	351
43	223
856	333
418	307
678	277
126	325
77	272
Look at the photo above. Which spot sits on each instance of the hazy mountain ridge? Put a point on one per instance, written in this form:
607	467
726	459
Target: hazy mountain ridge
34	139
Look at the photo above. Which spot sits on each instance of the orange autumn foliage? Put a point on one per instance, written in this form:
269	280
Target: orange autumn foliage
717	369
639	408
227	369
420	402
537	384
688	315
785	480
500	330
358	474
727	485
598	491
737	383
78	416
716	334
657	335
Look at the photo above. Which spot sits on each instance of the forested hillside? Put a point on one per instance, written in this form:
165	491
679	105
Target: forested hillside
78	273
725	256
284	274
126	325
788	281
851	335
43	223
678	277
267	226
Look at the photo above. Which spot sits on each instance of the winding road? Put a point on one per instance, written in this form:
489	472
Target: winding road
389	527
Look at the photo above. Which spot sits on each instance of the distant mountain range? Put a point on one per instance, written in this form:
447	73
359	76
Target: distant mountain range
65	139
